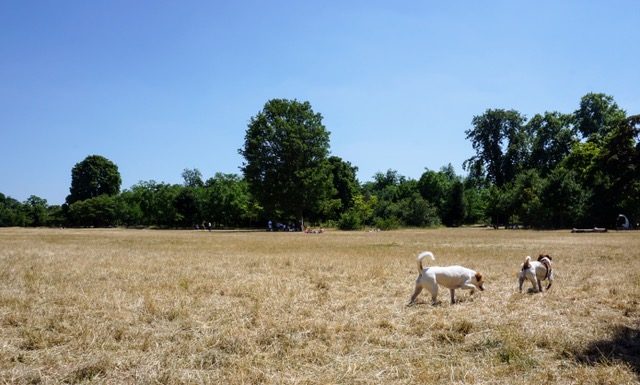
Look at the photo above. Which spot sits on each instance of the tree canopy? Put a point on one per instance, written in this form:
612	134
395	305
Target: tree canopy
500	143
285	149
92	177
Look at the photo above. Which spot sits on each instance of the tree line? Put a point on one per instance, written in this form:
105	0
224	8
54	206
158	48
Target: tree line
553	170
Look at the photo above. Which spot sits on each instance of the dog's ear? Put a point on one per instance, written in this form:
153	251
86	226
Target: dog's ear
478	277
540	256
548	256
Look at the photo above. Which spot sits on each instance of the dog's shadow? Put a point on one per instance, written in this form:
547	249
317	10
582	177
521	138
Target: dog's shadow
425	303
623	346
441	303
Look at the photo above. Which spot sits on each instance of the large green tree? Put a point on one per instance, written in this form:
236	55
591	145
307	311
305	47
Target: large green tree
552	138
597	115
94	176
604	161
501	145
285	150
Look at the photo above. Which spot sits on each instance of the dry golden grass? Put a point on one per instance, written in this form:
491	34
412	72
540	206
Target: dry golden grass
187	307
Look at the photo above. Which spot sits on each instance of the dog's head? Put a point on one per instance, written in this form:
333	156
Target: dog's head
542	256
478	281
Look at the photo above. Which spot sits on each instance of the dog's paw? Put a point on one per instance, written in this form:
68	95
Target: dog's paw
416	303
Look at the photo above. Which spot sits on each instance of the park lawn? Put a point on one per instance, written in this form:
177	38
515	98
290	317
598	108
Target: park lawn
119	306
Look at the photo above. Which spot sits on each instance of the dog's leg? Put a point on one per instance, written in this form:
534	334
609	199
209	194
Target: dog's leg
468	286
550	280
453	296
415	294
520	282
433	289
539	286
532	278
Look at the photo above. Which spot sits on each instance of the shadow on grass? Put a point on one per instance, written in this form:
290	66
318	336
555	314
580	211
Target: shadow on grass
623	346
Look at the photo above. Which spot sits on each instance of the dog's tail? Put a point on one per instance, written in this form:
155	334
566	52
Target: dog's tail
421	257
526	263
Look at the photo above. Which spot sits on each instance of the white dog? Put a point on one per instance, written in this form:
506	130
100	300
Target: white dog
536	272
451	277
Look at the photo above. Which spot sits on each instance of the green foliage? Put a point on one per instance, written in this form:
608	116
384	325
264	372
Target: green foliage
94	176
131	214
605	164
454	209
526	199
11	212
552	140
56	216
37	211
597	115
568	170
227	201
498	207
360	214
564	201
501	145
285	150
399	202
192	178
345	184
445	191
476	196
188	207
156	202
553	171
101	211
417	211
435	186
350	220
389	223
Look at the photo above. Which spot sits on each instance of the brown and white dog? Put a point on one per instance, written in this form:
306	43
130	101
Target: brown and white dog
536	272
451	277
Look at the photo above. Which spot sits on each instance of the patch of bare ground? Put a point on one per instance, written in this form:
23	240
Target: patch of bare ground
193	307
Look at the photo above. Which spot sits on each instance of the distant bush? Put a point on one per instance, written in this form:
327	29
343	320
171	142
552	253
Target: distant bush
350	220
387	223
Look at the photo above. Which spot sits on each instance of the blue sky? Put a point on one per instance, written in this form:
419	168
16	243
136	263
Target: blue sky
160	86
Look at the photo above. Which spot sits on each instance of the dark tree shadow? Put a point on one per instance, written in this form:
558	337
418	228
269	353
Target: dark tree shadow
623	346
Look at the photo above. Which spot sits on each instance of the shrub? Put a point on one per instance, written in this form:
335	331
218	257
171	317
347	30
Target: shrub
387	223
350	220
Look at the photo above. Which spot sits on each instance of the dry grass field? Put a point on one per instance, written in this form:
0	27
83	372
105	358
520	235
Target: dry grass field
186	307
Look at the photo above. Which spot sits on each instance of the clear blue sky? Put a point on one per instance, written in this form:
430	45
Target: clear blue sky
160	86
